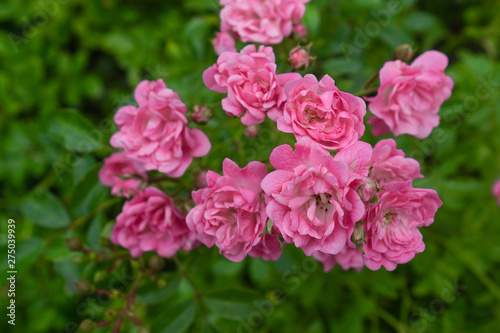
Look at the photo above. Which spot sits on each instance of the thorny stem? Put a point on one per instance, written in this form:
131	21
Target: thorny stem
197	294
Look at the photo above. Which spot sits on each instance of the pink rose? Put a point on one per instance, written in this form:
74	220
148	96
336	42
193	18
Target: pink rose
265	22
347	258
311	202
230	211
495	190
123	175
249	78
390	164
378	166
223	42
410	96
269	247
320	111
151	222
155	134
392	235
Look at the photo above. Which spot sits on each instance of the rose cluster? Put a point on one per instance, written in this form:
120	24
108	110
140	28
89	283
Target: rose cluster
154	136
339	199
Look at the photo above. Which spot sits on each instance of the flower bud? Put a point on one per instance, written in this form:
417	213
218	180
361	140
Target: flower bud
143	329
99	276
86	326
201	180
404	52
300	32
201	114
299	58
111	314
223	42
84	287
156	264
74	244
358	235
251	131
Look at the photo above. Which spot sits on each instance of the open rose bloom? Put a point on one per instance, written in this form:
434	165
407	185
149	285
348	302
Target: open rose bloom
250	81
155	134
151	222
231	212
311	202
266	22
410	96
321	112
123	175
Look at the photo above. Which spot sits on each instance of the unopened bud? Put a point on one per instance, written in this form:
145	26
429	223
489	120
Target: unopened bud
86	326
111	314
143	329
201	180
300	32
299	58
358	235
99	276
251	132
84	287
156	264
162	283
404	52
74	244
201	114
223	42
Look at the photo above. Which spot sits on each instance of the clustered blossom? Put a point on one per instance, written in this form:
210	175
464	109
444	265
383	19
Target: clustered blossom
410	96
151	222
231	212
123	175
354	209
155	134
250	81
266	22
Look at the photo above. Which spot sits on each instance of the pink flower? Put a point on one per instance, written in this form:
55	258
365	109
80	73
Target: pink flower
123	175
223	42
390	164
249	78
155	134
269	247
495	190
230	211
410	96
151	222
378	166
311	202
265	22
347	258
392	235
320	111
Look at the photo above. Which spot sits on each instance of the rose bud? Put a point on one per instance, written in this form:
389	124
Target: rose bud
299	58
223	42
251	132
201	114
403	52
300	32
201	180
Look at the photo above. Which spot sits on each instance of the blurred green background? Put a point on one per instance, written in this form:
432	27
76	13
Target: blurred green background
68	65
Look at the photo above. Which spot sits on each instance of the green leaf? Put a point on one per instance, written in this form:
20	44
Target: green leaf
75	132
88	193
45	210
177	318
232	303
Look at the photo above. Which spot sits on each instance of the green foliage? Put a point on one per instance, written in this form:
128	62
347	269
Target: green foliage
67	66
